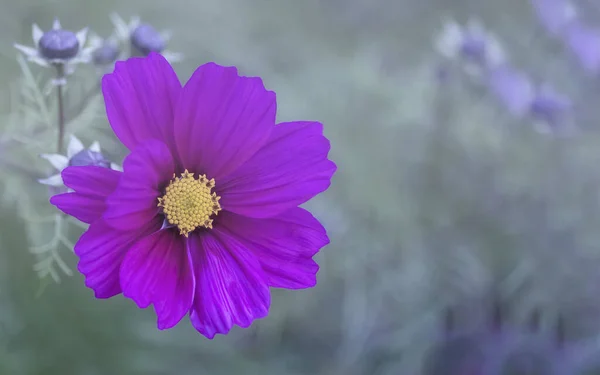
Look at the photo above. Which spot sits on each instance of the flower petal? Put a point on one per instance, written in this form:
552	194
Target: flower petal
83	208
54	180
158	270
230	285
222	119
134	202
59	162
92	185
101	250
284	245
75	146
140	97
289	170
91	180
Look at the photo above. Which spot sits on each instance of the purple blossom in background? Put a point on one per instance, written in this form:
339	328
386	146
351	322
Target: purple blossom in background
555	15
550	107
78	155
477	49
584	43
204	219
512	88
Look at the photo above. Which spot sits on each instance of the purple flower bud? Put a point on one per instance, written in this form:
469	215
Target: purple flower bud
59	44
146	39
550	107
474	48
88	157
106	54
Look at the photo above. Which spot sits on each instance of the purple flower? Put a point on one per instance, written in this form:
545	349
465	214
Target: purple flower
554	15
584	42
204	218
56	46
549	107
512	88
472	44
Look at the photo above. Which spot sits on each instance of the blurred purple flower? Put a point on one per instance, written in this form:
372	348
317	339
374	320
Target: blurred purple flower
512	88
554	15
471	44
550	107
584	42
205	218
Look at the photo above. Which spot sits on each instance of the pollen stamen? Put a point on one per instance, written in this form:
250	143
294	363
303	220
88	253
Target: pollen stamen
189	203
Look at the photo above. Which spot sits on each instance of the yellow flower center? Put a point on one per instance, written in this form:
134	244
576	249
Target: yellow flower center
188	203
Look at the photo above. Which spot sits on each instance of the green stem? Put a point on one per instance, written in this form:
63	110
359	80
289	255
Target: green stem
60	75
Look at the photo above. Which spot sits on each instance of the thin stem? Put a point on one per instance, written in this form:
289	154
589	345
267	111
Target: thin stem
60	75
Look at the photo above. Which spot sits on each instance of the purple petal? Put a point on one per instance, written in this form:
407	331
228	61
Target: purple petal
91	180
92	185
145	172
101	250
554	15
284	245
230	284
222	119
140	97
158	270
584	42
512	88
289	170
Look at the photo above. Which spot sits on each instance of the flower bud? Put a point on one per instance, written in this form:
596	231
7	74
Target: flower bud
59	44
146	39
89	157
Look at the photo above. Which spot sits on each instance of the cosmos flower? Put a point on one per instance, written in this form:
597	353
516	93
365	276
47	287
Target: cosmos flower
204	218
143	38
57	46
77	155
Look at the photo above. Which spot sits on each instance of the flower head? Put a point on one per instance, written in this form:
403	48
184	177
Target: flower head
143	38
57	46
471	44
204	218
105	52
77	155
550	109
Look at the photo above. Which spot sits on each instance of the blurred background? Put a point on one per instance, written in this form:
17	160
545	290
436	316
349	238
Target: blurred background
466	202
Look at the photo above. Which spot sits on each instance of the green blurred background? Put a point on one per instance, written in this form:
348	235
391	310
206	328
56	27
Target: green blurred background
441	198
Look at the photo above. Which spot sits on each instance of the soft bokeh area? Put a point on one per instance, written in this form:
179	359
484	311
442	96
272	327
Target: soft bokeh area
445	204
